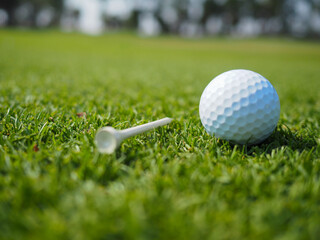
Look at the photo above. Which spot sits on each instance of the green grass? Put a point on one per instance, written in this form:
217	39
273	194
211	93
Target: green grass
176	182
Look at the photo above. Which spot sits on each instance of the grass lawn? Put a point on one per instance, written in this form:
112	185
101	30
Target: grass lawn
176	182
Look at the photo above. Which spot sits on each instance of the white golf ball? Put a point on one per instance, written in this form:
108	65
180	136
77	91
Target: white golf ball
240	106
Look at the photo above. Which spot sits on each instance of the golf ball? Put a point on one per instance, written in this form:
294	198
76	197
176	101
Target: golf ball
240	106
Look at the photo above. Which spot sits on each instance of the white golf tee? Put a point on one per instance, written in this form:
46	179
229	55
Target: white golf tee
108	138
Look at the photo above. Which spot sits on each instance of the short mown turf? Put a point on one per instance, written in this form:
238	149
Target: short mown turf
176	182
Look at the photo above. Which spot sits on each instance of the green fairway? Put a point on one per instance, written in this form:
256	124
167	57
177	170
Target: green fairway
177	182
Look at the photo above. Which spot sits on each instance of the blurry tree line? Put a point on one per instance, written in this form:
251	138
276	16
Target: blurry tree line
300	18
27	12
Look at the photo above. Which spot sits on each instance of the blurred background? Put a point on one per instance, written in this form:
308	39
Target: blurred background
187	18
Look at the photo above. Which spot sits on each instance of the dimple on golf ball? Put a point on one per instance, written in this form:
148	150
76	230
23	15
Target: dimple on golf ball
240	106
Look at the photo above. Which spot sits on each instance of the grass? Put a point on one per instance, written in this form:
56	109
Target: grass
176	182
